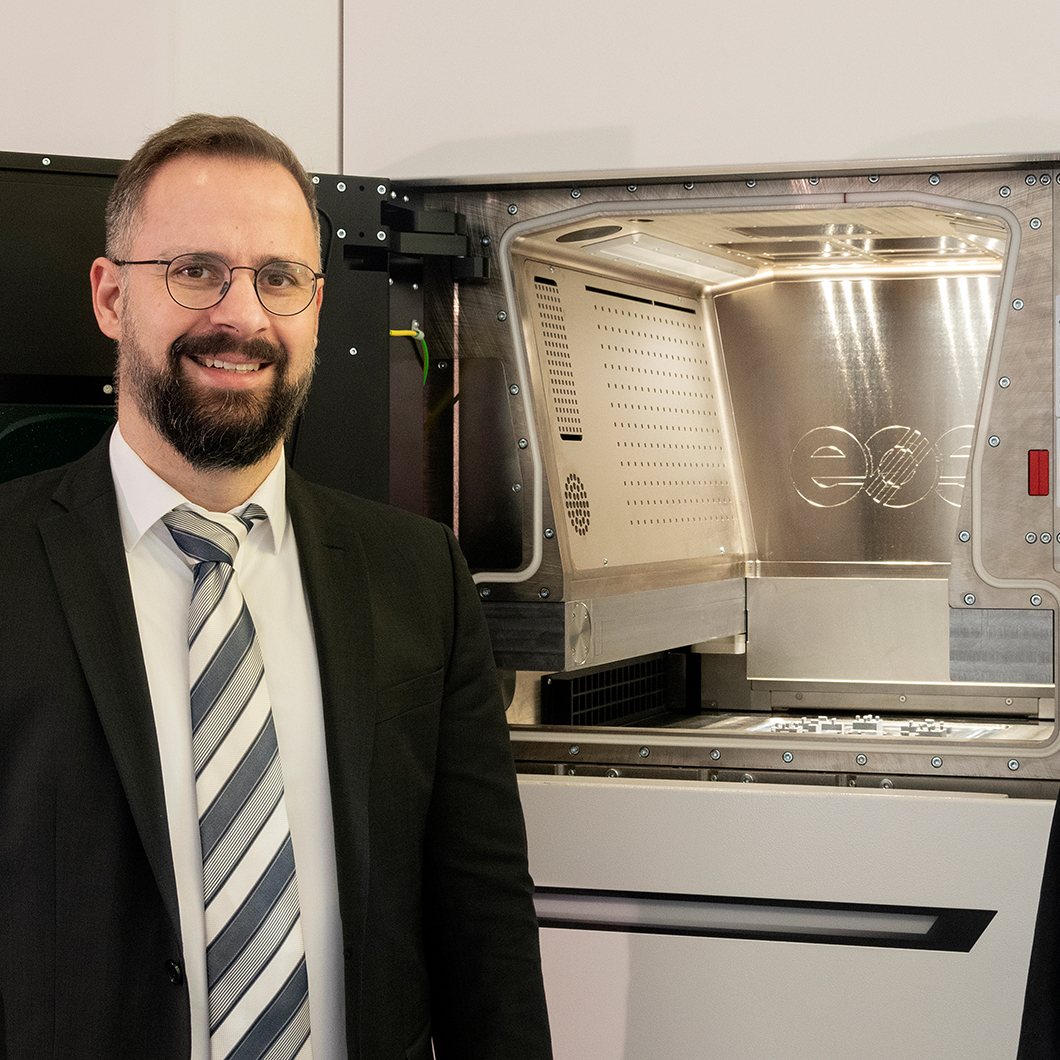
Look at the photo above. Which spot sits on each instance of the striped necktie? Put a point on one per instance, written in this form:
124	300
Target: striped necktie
255	960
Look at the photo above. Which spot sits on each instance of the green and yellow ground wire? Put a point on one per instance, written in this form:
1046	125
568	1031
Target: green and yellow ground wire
417	334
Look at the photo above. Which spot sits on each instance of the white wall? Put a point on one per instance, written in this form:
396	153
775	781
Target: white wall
95	78
422	88
475	87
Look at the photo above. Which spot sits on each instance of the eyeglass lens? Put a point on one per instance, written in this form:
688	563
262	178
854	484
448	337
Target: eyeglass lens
200	281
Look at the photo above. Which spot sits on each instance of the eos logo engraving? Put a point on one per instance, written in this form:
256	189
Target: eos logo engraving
896	467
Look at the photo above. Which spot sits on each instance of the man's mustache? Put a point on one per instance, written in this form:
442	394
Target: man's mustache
218	343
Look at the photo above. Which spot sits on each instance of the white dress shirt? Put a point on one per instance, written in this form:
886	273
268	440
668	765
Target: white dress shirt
271	582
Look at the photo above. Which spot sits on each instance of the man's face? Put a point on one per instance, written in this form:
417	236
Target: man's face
222	386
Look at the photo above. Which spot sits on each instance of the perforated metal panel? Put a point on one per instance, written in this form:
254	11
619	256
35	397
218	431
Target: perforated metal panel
634	413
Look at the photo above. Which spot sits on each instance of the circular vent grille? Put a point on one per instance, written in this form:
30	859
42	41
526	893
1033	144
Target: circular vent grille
577	504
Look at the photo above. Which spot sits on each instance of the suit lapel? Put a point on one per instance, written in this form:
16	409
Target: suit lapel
84	547
335	574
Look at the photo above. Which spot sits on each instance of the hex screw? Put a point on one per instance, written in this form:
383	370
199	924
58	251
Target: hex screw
751	183
353	351
523	443
485	241
689	187
513	389
573	749
1036	600
1045	538
1004	382
544	592
1045	178
874	178
788	756
341	233
1031	180
549	533
631	188
513	209
1017	304
862	760
1036	223
964	536
381	236
485	592
516	487
969	598
1013	764
994	441
1031	538
644	752
575	193
814	181
341	186
936	762
715	755
502	316
934	179
1004	191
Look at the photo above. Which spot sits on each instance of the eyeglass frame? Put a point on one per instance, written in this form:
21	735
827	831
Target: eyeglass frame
317	277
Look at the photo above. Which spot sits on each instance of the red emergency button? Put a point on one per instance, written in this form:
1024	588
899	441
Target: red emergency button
1038	472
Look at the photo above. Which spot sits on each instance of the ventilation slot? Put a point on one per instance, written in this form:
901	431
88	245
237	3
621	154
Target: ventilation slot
621	694
555	342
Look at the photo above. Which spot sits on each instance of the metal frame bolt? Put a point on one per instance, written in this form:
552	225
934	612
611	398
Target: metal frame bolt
1031	180
523	443
1017	304
1013	764
1004	382
381	189
994	441
715	755
502	316
1031	538
341	186
644	752
788	756
513	209
1045	538
573	749
689	187
517	487
631	188
936	762
1004	191
814	181
934	179
874	178
1036	223
544	592
751	183
575	193
964	536
969	598
485	591
381	236
862	760
1036	600
513	389
549	533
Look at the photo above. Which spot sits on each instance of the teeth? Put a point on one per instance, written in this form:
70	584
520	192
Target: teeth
213	362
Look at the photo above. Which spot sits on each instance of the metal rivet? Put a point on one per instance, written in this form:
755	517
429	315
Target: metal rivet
316	180
994	441
575	193
1004	191
969	598
1013	764
381	188
340	186
1045	538
874	178
1036	223
523	443
814	181
513	389
862	760
573	749
1031	180
964	536
788	756
934	178
513	209
516	487
485	591
644	752
1004	382
108	388
502	316
936	762
751	183
544	592
631	188
1036	600
353	351
341	233
715	755
1031	538
549	533
45	161
1045	178
1017	303
689	187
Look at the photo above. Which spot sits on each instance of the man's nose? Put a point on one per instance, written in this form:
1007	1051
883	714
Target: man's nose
240	307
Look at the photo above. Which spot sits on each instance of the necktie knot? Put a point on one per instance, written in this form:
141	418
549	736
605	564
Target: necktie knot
209	540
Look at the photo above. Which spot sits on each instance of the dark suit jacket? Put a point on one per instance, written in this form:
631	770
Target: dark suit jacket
437	916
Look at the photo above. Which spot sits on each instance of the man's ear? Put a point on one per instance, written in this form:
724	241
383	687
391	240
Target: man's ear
106	297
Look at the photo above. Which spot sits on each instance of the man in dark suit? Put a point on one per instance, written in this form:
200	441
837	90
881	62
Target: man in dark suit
397	794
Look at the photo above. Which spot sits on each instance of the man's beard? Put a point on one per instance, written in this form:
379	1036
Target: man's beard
214	429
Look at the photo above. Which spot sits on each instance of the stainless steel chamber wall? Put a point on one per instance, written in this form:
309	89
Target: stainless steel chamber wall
797	424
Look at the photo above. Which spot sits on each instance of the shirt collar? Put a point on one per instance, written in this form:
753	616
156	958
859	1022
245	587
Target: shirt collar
143	497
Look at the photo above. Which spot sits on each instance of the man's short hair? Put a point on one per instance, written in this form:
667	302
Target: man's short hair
195	134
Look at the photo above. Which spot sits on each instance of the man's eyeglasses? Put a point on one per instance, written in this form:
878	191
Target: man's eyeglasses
200	281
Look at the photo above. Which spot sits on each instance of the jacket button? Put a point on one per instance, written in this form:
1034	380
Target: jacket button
175	971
